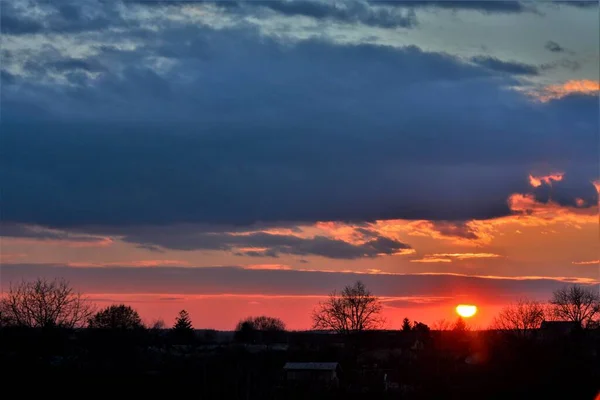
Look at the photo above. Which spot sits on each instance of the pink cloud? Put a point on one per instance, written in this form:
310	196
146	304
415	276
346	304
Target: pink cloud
9	258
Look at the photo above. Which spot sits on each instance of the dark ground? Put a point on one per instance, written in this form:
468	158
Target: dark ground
448	365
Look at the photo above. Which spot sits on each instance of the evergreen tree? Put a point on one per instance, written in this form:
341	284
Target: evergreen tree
183	332
183	322
460	325
406	327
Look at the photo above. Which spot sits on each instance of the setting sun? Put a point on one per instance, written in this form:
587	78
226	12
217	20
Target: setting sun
466	310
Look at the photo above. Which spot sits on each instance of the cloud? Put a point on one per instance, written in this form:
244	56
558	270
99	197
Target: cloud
532	212
448	257
412	301
232	127
432	260
232	280
465	256
579	4
537	181
136	263
592	262
265	244
566	63
461	232
345	12
553	47
55	236
584	86
38	17
510	67
268	266
10	258
484	6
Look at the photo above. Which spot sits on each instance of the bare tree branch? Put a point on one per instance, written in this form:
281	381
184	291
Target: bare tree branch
520	318
354	310
578	304
44	303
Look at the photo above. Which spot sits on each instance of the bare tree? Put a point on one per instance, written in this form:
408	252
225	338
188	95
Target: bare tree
158	324
442	325
520	318
576	303
355	309
45	303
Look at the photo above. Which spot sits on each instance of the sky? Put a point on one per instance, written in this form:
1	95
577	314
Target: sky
237	158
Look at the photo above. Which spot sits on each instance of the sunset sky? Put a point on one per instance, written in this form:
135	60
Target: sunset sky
239	158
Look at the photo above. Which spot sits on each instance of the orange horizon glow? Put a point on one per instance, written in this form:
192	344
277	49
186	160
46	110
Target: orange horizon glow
223	312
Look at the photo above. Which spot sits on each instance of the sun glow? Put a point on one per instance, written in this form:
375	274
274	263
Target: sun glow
466	310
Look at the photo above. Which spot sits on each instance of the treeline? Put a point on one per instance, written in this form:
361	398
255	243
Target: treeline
54	303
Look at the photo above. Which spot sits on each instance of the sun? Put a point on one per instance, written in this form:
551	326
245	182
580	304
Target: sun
466	310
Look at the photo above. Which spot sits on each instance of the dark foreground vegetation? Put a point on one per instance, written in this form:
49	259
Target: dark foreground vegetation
378	364
52	342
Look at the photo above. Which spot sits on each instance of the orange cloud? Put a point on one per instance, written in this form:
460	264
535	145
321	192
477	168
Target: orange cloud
465	233
584	86
432	260
567	279
593	262
448	257
464	256
534	213
527	211
536	181
268	267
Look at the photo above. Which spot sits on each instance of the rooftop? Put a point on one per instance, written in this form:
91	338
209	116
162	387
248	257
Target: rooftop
311	365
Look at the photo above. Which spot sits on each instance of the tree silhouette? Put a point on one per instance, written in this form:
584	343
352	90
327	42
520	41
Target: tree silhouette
355	309
576	303
183	322
183	330
421	328
460	325
520	318
253	329
157	325
44	303
119	316
406	325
